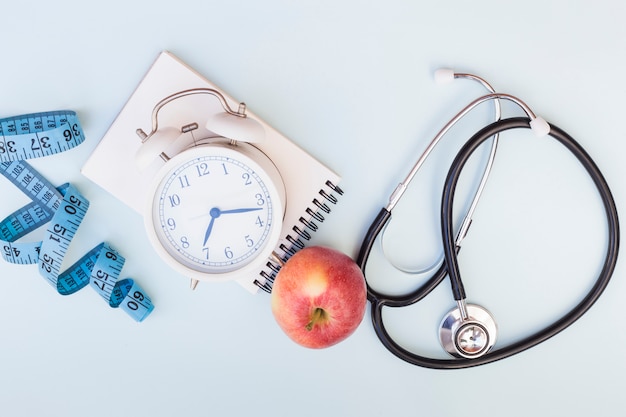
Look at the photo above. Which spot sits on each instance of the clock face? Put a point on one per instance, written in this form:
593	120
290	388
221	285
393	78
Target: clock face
215	210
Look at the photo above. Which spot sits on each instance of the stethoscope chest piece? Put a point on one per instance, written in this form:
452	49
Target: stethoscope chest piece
468	337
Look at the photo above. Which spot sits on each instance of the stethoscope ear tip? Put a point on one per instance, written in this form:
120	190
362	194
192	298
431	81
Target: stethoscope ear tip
444	76
540	127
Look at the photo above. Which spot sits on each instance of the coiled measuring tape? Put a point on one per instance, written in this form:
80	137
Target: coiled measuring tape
62	209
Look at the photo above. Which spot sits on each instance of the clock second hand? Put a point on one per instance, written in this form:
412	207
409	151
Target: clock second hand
215	212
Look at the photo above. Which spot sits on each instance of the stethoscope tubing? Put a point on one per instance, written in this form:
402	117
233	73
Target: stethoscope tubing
450	267
376	297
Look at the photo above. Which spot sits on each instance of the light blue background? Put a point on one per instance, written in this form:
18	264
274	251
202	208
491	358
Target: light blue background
350	82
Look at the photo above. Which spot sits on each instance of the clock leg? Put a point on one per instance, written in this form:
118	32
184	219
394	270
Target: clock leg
194	284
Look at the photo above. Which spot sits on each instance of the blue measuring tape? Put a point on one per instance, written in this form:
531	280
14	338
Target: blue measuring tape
62	210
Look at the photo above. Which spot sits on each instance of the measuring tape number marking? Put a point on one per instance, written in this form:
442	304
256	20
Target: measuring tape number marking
37	135
62	209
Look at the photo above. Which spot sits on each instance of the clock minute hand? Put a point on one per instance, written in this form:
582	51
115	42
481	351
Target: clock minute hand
240	210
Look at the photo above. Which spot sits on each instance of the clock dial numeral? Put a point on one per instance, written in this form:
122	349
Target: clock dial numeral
174	200
246	179
202	169
225	169
259	199
184	242
259	221
171	223
249	241
184	181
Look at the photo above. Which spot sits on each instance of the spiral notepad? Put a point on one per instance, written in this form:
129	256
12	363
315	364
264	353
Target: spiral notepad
301	232
310	196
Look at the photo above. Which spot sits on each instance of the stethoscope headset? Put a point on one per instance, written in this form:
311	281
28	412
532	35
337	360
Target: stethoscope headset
468	332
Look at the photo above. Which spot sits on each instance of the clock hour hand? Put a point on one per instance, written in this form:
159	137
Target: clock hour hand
216	212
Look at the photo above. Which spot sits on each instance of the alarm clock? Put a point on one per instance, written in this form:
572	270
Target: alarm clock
215	208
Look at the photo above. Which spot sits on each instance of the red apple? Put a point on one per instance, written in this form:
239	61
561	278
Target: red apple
319	297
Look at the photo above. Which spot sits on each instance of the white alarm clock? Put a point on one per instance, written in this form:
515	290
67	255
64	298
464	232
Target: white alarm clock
215	209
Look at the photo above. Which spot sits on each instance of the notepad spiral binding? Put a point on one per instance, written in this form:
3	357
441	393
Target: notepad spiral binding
300	233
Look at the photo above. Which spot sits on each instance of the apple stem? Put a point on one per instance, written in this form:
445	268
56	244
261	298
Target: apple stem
319	316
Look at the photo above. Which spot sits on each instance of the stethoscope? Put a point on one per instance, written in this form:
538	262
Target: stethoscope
468	332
